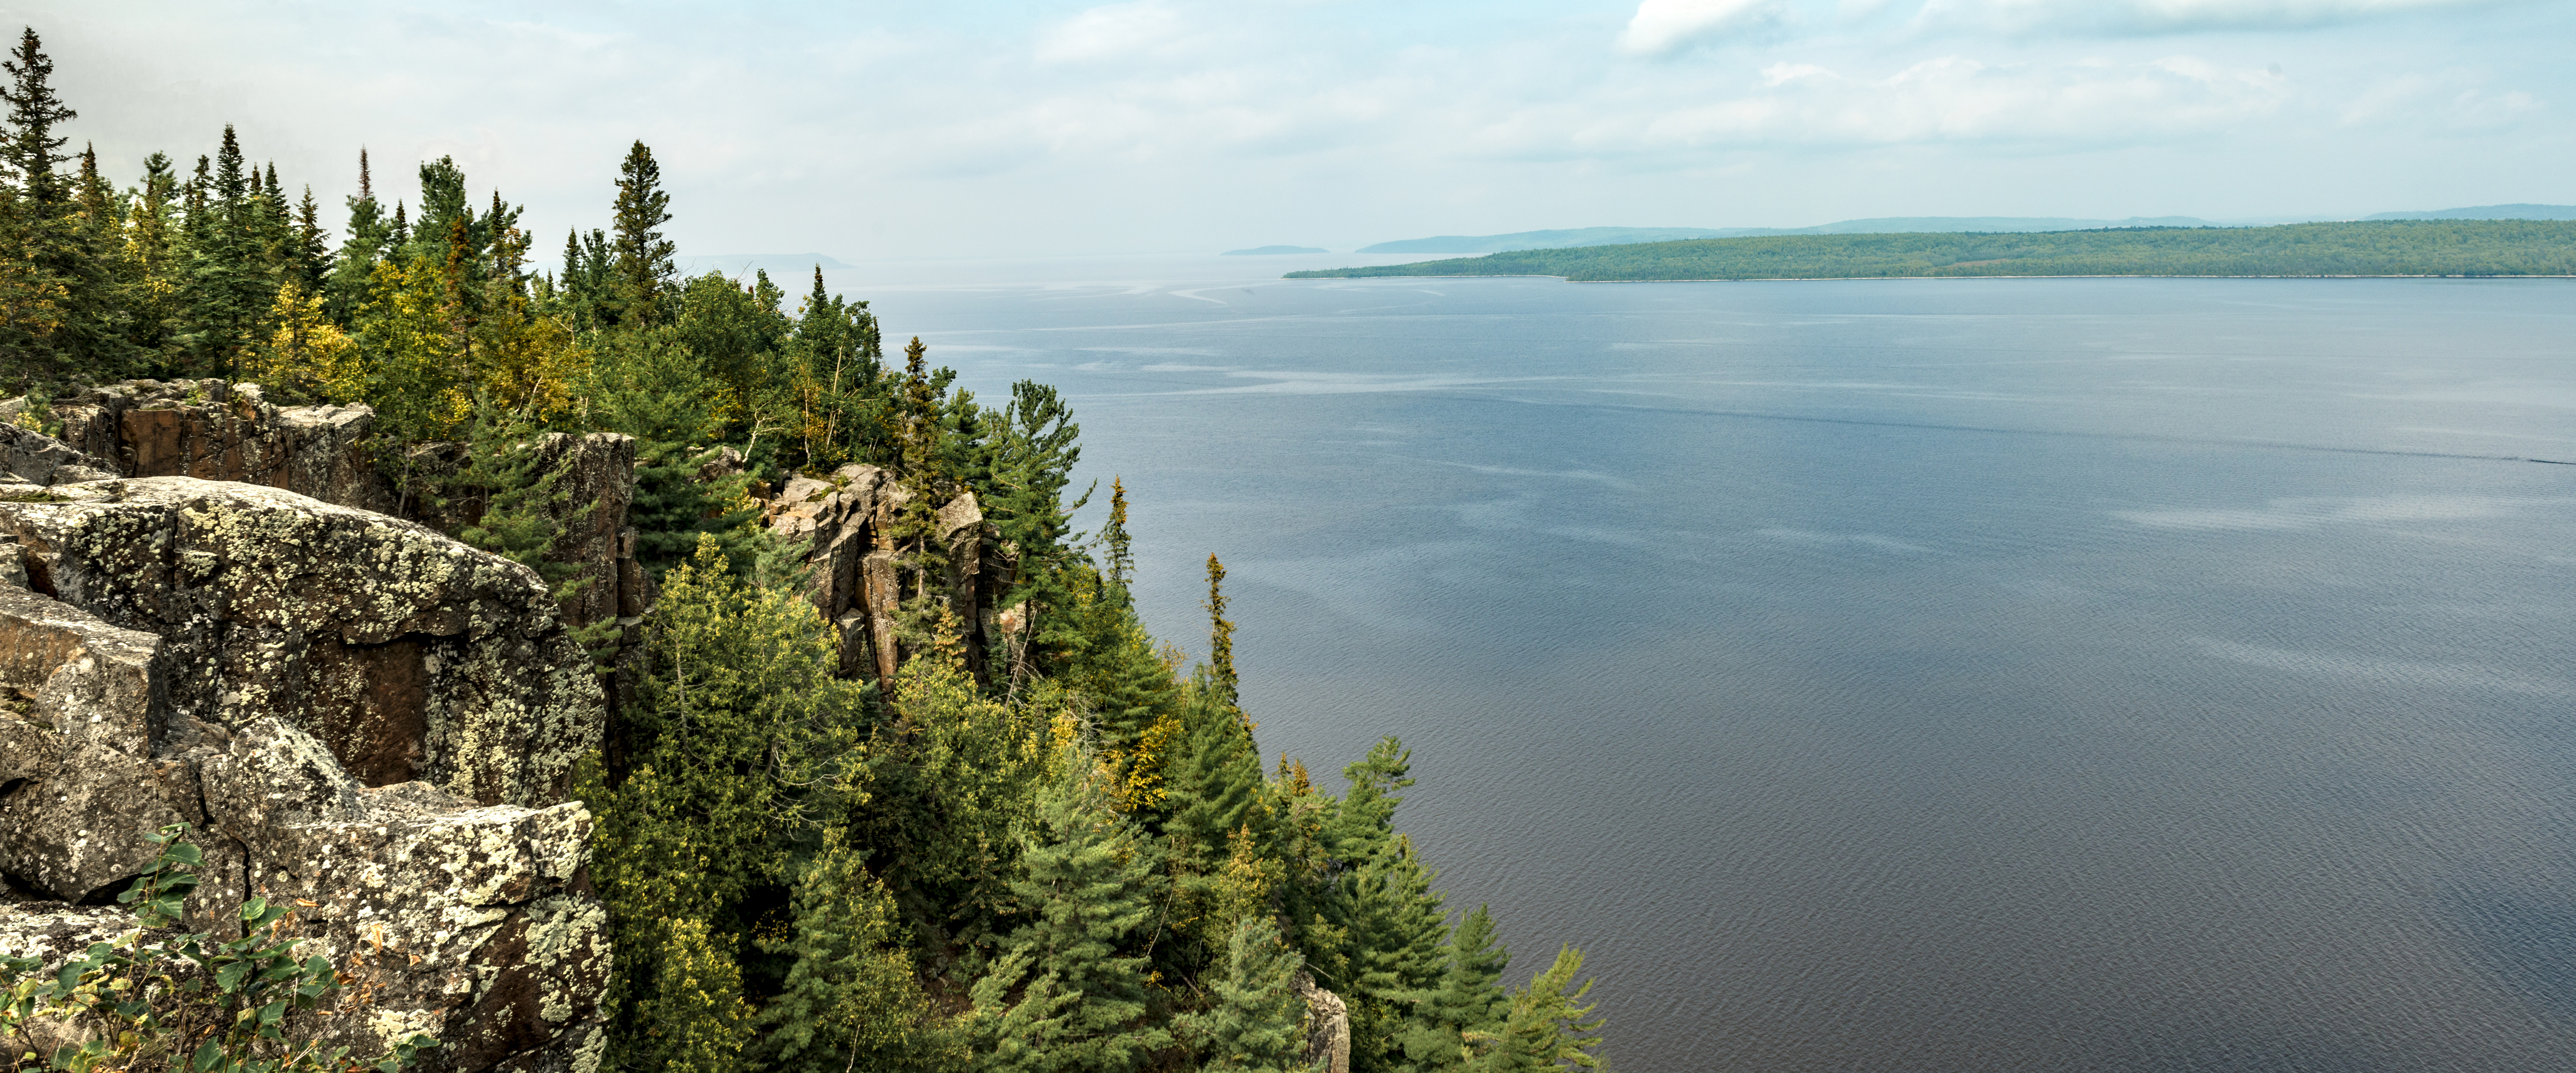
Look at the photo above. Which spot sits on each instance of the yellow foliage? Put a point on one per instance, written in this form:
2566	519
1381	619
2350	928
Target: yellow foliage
306	356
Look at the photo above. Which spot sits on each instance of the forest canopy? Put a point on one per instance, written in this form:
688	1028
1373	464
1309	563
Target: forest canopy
2376	248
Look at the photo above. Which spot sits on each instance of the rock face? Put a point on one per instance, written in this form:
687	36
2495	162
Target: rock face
220	431
351	710
1328	1027
856	573
36	458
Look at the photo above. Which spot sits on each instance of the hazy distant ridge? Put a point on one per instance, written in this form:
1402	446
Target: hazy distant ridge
2375	248
2486	212
1615	236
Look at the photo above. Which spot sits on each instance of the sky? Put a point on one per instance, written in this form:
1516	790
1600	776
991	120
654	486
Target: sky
870	131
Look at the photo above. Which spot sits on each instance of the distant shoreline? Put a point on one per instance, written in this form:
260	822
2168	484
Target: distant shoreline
1925	279
2466	249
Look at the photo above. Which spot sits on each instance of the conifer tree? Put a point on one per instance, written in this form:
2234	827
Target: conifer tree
1088	880
643	258
1122	561
1221	638
1465	1015
1256	1020
1549	1028
370	234
850	1001
700	1019
64	269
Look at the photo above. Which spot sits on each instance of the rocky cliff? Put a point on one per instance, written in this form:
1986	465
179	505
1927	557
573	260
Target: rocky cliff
352	710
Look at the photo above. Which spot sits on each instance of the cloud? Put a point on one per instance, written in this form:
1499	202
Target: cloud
1958	99
1113	32
1664	27
2171	16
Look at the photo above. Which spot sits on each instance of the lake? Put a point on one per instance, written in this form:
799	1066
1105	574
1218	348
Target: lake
1898	675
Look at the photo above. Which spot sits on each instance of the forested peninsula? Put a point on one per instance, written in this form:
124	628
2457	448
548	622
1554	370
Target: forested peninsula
2373	248
417	658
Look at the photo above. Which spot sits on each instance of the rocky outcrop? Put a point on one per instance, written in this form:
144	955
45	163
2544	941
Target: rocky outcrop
351	710
219	431
1328	1027
35	458
856	562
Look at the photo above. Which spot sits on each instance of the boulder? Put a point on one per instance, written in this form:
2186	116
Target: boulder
351	710
220	431
35	458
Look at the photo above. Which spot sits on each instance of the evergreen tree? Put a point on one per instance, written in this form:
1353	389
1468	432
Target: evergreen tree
700	1019
371	233
1088	880
643	258
1220	638
1122	560
1464	1017
309	258
646	384
64	275
1548	1028
1256	1020
851	1001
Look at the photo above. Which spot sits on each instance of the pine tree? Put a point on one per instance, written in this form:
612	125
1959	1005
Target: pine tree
1464	1016
371	233
644	265
1549	1028
1256	1020
1221	639
1122	560
232	286
309	262
64	274
850	1001
1088	880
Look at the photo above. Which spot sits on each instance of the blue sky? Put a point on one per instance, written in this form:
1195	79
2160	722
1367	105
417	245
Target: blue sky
870	131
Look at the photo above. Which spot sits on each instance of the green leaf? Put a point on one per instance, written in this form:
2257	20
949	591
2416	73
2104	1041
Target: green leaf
228	979
254	908
206	1057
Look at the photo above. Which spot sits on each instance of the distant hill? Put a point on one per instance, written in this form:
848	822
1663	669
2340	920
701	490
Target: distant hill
782	267
1613	236
2383	248
1265	251
2486	212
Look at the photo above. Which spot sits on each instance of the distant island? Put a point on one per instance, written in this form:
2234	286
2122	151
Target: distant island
2448	247
1610	236
1264	251
2485	212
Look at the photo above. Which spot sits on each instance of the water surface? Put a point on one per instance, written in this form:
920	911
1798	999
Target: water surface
1909	675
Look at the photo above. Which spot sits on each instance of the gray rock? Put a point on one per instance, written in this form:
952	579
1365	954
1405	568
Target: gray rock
38	459
408	654
1328	1027
855	573
353	711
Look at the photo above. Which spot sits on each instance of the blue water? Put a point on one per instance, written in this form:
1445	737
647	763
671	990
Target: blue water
1916	675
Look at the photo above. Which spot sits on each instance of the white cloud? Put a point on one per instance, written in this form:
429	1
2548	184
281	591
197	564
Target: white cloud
1663	27
2171	16
1955	98
1113	32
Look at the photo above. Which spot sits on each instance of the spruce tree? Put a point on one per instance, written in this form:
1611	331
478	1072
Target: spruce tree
1463	1017
1122	560
370	234
644	259
1549	1027
65	267
1256	1019
850	1001
1088	879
